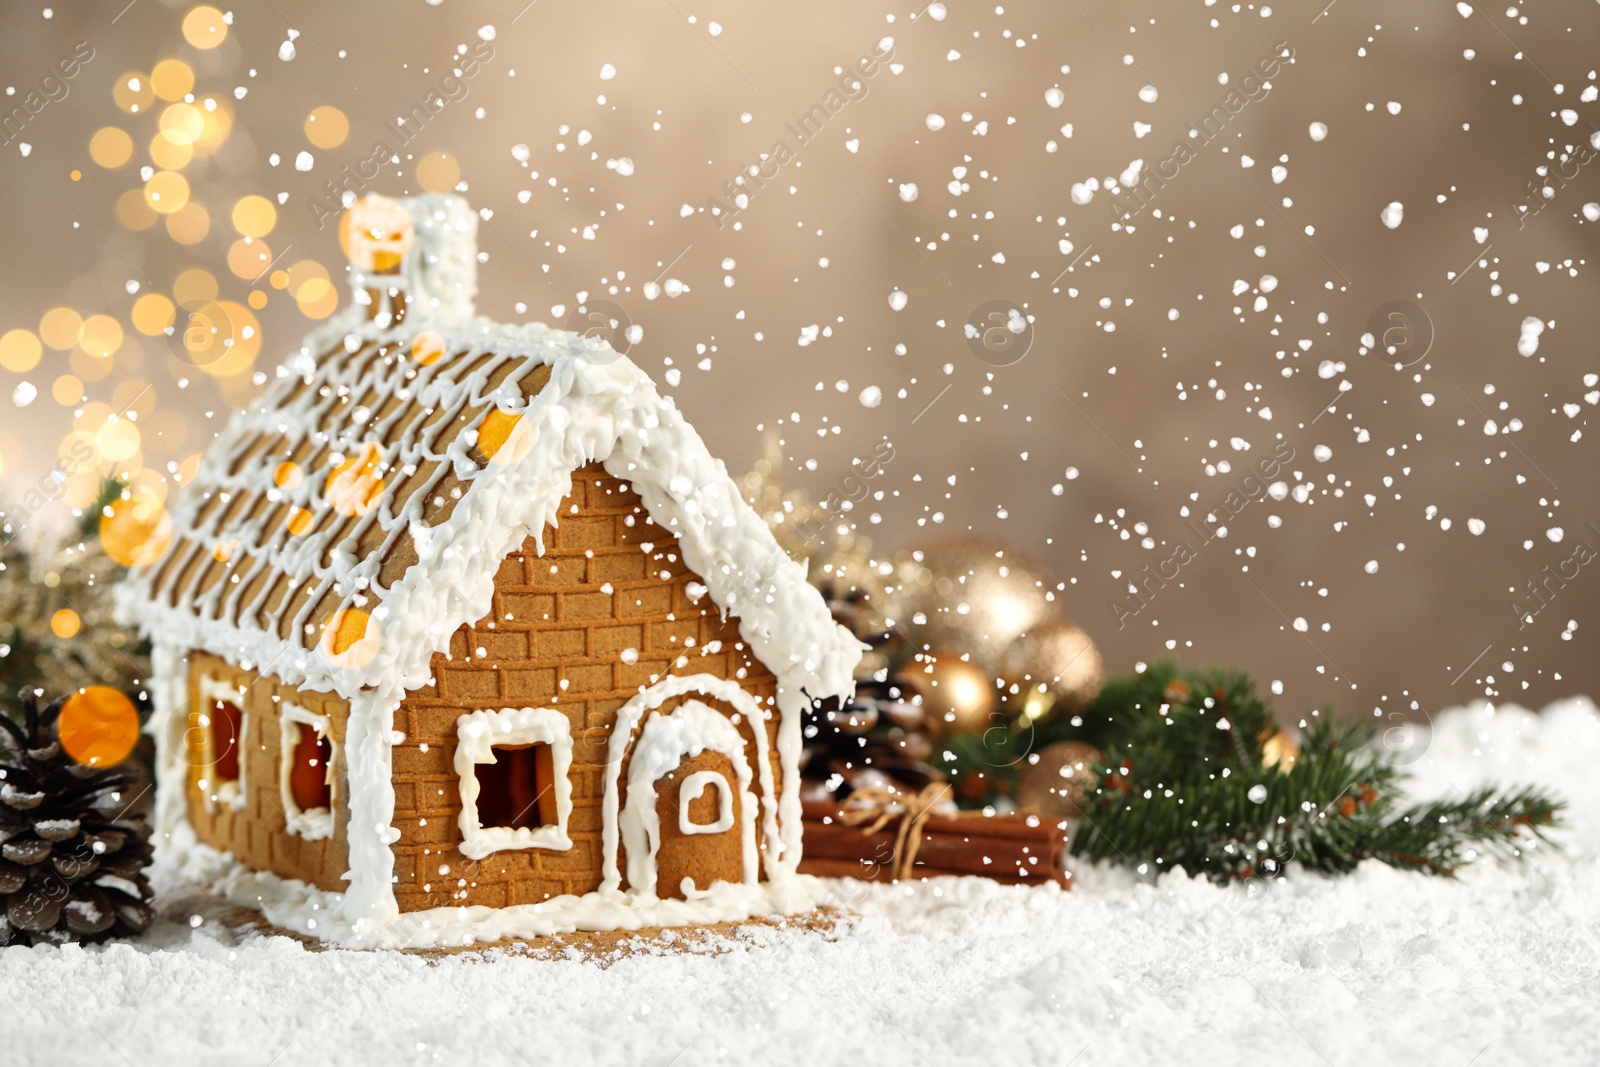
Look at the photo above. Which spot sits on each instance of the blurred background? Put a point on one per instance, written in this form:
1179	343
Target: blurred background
1097	272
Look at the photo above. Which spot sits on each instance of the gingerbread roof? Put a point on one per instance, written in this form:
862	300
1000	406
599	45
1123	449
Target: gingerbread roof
340	531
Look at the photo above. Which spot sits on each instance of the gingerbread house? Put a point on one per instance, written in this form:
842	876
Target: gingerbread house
463	634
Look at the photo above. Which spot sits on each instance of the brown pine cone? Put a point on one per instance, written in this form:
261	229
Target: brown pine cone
73	845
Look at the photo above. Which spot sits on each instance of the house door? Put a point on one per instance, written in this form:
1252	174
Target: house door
700	810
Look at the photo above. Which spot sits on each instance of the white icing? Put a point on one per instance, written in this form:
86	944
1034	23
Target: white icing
477	734
693	788
314	824
598	406
690	729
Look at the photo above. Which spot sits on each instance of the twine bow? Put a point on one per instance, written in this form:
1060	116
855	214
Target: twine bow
877	805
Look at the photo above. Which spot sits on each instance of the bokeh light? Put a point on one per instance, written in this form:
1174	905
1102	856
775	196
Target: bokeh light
110	147
327	127
134	211
204	27
60	328
195	285
169	154
152	314
254	216
438	172
132	92
65	623
248	257
20	351
101	335
167	191
66	390
136	529
189	225
172	79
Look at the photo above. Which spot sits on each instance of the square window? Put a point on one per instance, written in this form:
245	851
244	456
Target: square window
513	768
517	790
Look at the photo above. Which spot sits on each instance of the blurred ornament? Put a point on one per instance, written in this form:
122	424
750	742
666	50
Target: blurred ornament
977	596
98	726
376	233
1062	658
957	695
1279	750
135	529
1061	781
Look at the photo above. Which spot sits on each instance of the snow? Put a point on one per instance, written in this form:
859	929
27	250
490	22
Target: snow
1378	967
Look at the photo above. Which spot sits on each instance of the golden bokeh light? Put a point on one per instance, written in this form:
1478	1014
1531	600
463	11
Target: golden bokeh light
189	225
298	521
287	475
438	172
66	390
110	147
183	123
167	191
134	211
172	79
65	623
20	351
60	327
101	335
152	314
98	726
169	154
248	257
254	216
135	529
326	127
217	116
195	285
278	279
257	299
132	92
303	272
317	298
204	27
241	344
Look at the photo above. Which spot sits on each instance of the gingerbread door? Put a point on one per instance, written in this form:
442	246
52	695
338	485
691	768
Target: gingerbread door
700	811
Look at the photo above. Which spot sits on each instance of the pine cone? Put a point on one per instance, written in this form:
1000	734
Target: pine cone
72	852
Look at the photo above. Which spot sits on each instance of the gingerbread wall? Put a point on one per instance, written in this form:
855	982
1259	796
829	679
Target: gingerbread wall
555	638
257	833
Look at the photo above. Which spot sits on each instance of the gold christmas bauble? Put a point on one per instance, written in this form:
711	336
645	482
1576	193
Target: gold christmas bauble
98	726
971	595
1062	658
957	695
1060	782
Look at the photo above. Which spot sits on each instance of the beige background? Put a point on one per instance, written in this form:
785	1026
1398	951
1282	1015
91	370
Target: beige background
1157	400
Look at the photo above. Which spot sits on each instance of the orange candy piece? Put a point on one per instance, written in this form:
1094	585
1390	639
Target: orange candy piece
98	726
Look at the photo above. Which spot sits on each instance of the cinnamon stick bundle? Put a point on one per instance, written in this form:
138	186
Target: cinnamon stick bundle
1004	848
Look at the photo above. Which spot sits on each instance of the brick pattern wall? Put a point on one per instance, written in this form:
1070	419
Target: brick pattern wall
610	580
257	833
